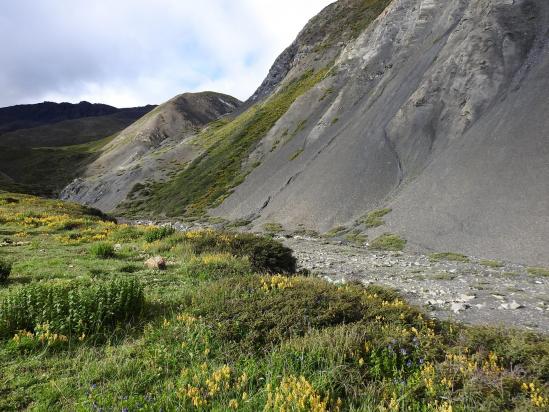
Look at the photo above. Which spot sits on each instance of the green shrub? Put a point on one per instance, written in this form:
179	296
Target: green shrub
5	270
71	309
336	231
388	241
455	257
491	263
102	250
158	233
273	227
539	271
264	254
374	218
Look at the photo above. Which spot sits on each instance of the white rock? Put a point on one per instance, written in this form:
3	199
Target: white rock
466	298
457	307
511	306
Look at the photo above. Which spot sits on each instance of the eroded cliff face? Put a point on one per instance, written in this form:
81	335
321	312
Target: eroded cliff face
438	109
149	149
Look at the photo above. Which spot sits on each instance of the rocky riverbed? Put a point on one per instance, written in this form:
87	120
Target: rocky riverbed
469	292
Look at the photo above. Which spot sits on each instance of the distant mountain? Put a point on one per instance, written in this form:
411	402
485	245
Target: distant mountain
44	146
25	116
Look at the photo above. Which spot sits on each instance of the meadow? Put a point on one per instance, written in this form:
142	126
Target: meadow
227	325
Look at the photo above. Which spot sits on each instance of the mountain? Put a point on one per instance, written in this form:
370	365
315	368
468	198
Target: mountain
26	116
435	110
148	150
44	146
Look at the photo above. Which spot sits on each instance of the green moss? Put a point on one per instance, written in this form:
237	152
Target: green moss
451	256
538	271
212	176
296	154
326	93
335	120
491	263
336	231
388	241
273	227
374	218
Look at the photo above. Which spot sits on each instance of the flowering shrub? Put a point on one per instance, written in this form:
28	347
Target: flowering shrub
71	309
265	255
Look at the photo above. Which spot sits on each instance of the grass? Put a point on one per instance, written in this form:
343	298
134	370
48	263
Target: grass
335	232
46	171
356	237
450	256
538	271
273	227
374	218
296	154
215	333
210	178
491	263
102	250
389	242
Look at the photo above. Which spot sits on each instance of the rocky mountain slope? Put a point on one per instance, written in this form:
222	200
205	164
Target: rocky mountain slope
148	150
434	109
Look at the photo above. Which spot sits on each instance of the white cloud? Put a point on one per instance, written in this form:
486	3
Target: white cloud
133	52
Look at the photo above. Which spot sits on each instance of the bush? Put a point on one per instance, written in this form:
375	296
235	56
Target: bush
265	255
388	241
71	309
5	270
102	250
374	218
451	256
158	233
211	266
259	312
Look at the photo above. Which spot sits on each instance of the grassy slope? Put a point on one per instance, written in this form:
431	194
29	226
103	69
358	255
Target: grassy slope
215	336
211	177
45	171
68	132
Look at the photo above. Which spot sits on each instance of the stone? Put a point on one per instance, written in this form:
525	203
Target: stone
156	262
511	306
457	307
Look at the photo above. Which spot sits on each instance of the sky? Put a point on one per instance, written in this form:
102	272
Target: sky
135	52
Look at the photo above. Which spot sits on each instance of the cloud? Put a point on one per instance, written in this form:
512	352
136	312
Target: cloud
134	52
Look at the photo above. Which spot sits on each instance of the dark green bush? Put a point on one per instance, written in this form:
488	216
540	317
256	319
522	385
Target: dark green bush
5	270
71	308
265	254
102	250
158	233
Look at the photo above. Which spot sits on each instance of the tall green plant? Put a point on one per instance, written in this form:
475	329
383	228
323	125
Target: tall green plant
71	309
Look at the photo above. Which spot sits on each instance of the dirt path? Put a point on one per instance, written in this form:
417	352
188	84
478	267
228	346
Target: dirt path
467	292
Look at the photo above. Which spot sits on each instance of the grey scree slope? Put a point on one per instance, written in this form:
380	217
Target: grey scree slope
442	112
